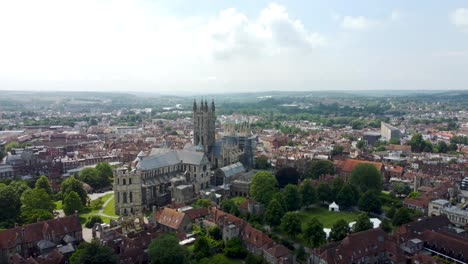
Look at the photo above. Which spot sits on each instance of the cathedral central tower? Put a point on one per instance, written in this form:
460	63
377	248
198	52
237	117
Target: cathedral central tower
204	119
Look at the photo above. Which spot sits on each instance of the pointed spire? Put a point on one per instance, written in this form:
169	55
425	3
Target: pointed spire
194	105
206	105
212	105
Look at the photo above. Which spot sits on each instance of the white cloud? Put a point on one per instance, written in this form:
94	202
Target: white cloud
459	18
233	34
356	23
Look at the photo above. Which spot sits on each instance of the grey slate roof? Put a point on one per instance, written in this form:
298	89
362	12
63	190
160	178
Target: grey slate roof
159	158
233	169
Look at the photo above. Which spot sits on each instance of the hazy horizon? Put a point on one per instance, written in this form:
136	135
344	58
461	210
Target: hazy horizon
180	47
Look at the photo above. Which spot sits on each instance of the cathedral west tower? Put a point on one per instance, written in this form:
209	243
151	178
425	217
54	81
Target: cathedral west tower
204	119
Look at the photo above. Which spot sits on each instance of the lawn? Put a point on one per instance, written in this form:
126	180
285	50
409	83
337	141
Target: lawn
326	217
109	209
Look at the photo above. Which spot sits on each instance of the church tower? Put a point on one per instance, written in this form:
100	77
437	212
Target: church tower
204	119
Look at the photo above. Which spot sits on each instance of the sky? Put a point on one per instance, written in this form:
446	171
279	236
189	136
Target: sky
216	46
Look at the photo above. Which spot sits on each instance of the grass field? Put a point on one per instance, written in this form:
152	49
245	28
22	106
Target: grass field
109	209
239	200
326	217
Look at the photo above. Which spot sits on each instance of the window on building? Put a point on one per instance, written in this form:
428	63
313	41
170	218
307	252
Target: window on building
129	181
124	197
118	197
123	181
131	197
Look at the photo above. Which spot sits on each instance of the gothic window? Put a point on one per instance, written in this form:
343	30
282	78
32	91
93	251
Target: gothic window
118	197
130	181
118	181
131	197
124	197
123	181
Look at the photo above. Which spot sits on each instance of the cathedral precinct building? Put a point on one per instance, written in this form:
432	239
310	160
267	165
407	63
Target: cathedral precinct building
167	175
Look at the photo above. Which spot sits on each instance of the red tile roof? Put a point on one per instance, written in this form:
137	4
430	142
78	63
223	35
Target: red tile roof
349	164
37	231
169	217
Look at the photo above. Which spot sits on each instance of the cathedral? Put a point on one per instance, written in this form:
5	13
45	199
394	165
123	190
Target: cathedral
166	175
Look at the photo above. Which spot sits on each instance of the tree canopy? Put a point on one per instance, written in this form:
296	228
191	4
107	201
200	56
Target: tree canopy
72	184
317	168
308	193
324	192
10	205
263	187
94	253
36	203
370	202
366	177
363	223
291	197
339	230
314	233
274	212
291	224
43	183
286	176
166	250
72	203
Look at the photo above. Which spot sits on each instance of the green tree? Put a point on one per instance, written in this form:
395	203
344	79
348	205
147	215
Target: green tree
202	203
90	176
336	187
94	253
386	225
308	194
363	223
11	145
72	184
36	203
339	230
262	163
166	250
202	248
324	192
234	249
416	142
360	144
394	141
20	187
402	216
105	173
10	203
95	219
337	150
43	183
346	197
263	187
291	197
291	224
72	203
274	212
400	188
215	233
366	177
314	233
287	175
317	168
442	147
391	212
370	203
229	206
